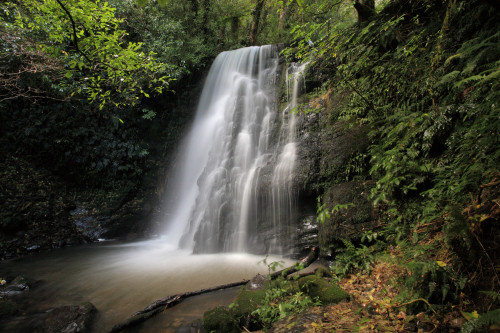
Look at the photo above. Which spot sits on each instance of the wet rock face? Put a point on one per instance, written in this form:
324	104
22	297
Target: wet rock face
348	222
307	234
34	210
327	149
330	154
87	224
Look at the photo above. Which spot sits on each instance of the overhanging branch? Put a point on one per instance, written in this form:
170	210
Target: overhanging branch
75	37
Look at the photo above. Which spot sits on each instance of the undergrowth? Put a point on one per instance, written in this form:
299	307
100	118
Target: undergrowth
425	79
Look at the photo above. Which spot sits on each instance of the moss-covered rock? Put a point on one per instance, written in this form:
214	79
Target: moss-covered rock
323	272
248	301
220	319
321	289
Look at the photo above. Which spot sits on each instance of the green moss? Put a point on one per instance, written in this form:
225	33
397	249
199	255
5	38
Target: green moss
247	301
220	319
321	289
323	272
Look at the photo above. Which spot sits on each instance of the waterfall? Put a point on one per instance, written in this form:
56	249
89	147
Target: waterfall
283	193
232	188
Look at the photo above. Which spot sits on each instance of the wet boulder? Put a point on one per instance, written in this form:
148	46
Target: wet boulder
64	319
69	319
16	287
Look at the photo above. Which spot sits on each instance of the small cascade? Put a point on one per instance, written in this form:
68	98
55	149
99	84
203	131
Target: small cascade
232	184
283	193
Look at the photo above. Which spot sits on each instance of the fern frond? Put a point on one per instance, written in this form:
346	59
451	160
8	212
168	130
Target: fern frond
469	80
493	294
449	78
487	319
453	57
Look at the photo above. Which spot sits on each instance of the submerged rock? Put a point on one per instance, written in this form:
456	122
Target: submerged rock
194	327
8	308
64	319
220	319
33	248
16	287
257	282
69	319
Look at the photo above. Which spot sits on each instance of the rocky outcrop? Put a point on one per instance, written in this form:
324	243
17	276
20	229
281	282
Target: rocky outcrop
39	211
34	210
332	165
17	316
17	287
64	319
353	212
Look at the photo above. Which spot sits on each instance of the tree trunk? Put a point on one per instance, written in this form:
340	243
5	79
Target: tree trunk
281	22
222	34
194	7
206	12
365	9
235	26
255	22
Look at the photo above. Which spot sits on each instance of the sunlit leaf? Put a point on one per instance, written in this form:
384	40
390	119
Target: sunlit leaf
441	263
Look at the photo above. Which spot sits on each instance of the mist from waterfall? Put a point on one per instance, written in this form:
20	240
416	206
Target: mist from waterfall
232	188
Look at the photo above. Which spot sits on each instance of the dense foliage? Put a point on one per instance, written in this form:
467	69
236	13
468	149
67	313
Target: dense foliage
423	77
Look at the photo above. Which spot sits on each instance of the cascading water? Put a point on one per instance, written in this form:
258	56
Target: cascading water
233	182
283	193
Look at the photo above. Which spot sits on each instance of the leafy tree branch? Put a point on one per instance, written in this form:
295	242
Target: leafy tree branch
73	25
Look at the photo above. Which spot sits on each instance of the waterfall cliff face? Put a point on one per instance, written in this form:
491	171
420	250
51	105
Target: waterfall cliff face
233	182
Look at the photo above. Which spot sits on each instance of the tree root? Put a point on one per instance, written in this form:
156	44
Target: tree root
416	300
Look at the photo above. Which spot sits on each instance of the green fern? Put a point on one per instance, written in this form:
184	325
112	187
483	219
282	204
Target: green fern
449	78
493	295
352	258
488	319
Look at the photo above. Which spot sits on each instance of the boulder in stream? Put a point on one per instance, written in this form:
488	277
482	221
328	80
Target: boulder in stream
64	319
16	287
